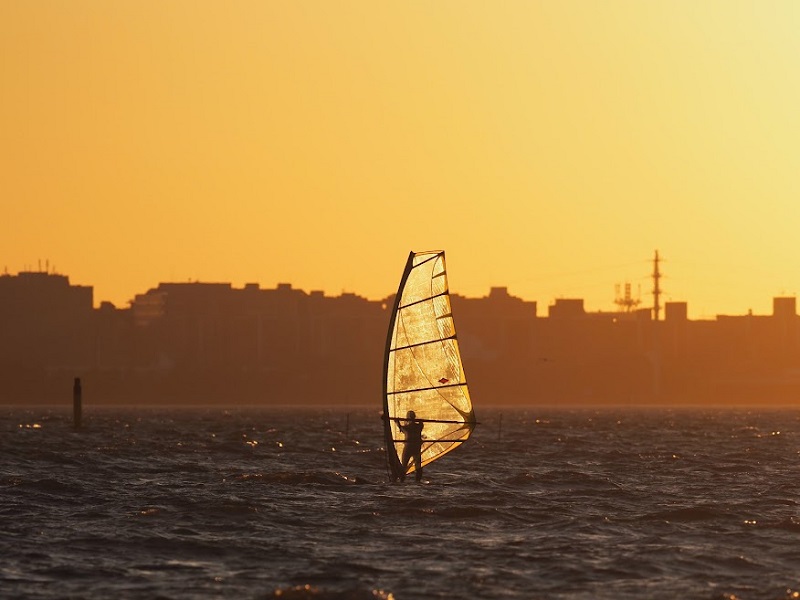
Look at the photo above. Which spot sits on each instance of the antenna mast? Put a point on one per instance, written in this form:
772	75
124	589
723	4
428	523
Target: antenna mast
656	287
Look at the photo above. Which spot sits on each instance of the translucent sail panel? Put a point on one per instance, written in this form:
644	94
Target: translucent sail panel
444	428
423	310
424	371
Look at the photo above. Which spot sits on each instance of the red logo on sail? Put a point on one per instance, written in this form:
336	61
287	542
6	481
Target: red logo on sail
444	380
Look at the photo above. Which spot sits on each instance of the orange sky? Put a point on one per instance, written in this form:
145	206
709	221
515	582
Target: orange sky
547	146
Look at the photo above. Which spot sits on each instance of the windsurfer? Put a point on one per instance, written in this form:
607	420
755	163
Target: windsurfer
412	448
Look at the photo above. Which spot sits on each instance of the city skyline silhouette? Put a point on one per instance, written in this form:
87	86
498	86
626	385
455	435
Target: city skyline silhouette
196	343
626	295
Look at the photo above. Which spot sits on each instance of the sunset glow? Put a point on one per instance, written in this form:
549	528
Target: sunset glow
549	147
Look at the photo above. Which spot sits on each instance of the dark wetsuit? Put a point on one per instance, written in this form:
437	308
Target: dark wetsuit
412	448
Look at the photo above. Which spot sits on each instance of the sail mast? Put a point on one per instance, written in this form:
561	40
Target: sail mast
392	460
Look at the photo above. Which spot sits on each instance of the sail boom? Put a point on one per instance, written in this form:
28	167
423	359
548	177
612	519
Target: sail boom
455	441
434	421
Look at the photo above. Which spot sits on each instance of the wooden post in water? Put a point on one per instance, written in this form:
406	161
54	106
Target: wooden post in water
77	408
347	426
500	427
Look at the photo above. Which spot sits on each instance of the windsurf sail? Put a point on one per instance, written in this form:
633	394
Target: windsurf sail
422	366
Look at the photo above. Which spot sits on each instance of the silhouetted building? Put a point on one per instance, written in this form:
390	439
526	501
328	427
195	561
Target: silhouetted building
276	345
46	333
676	311
566	308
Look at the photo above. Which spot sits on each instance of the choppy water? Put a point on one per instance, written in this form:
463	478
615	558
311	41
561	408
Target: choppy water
263	503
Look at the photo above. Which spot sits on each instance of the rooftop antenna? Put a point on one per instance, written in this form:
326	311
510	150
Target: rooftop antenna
626	302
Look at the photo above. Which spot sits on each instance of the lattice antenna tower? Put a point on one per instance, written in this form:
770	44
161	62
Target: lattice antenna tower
656	287
626	302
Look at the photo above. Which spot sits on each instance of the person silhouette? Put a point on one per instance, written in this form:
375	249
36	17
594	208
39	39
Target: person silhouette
412	448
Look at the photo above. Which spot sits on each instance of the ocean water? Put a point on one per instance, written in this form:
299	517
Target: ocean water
294	503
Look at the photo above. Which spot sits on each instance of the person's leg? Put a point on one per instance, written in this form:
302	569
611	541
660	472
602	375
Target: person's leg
405	461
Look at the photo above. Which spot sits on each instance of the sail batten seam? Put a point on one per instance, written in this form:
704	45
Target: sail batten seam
425	343
444	293
427	389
